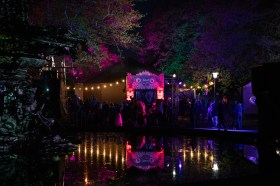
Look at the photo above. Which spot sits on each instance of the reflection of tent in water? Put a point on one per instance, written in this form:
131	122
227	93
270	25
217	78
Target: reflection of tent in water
146	156
110	84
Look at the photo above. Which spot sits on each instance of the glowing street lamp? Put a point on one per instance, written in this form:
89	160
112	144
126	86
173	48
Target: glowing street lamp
172	94
215	76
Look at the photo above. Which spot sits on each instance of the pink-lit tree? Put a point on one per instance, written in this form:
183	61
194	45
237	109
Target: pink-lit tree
104	24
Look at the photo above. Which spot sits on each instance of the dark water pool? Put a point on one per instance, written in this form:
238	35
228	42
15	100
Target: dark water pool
110	158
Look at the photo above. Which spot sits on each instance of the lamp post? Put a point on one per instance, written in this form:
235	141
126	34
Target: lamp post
172	94
172	99
215	76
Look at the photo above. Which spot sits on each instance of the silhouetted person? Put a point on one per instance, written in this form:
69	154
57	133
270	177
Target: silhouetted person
237	115
213	113
222	113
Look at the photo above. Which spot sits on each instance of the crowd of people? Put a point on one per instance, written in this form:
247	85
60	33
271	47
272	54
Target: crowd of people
221	113
90	113
218	113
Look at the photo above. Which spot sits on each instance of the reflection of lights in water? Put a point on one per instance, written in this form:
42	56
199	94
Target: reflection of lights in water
72	157
174	172
182	158
104	152
123	159
212	158
110	151
79	152
215	166
93	147
277	151
116	156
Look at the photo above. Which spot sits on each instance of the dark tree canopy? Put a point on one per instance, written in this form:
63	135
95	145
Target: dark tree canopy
195	38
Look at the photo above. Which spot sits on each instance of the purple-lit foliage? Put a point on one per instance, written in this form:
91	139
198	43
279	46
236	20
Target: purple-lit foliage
169	36
195	38
227	44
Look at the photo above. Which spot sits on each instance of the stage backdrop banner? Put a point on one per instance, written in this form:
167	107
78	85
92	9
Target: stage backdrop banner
145	81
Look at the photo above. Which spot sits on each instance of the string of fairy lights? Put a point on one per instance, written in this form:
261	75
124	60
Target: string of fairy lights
185	87
118	82
97	86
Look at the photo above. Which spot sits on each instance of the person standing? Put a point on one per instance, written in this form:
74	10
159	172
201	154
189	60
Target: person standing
118	115
213	113
141	114
223	113
152	115
237	115
197	112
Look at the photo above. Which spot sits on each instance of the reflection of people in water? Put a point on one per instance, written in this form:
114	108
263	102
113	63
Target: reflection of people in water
146	143
149	143
144	152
